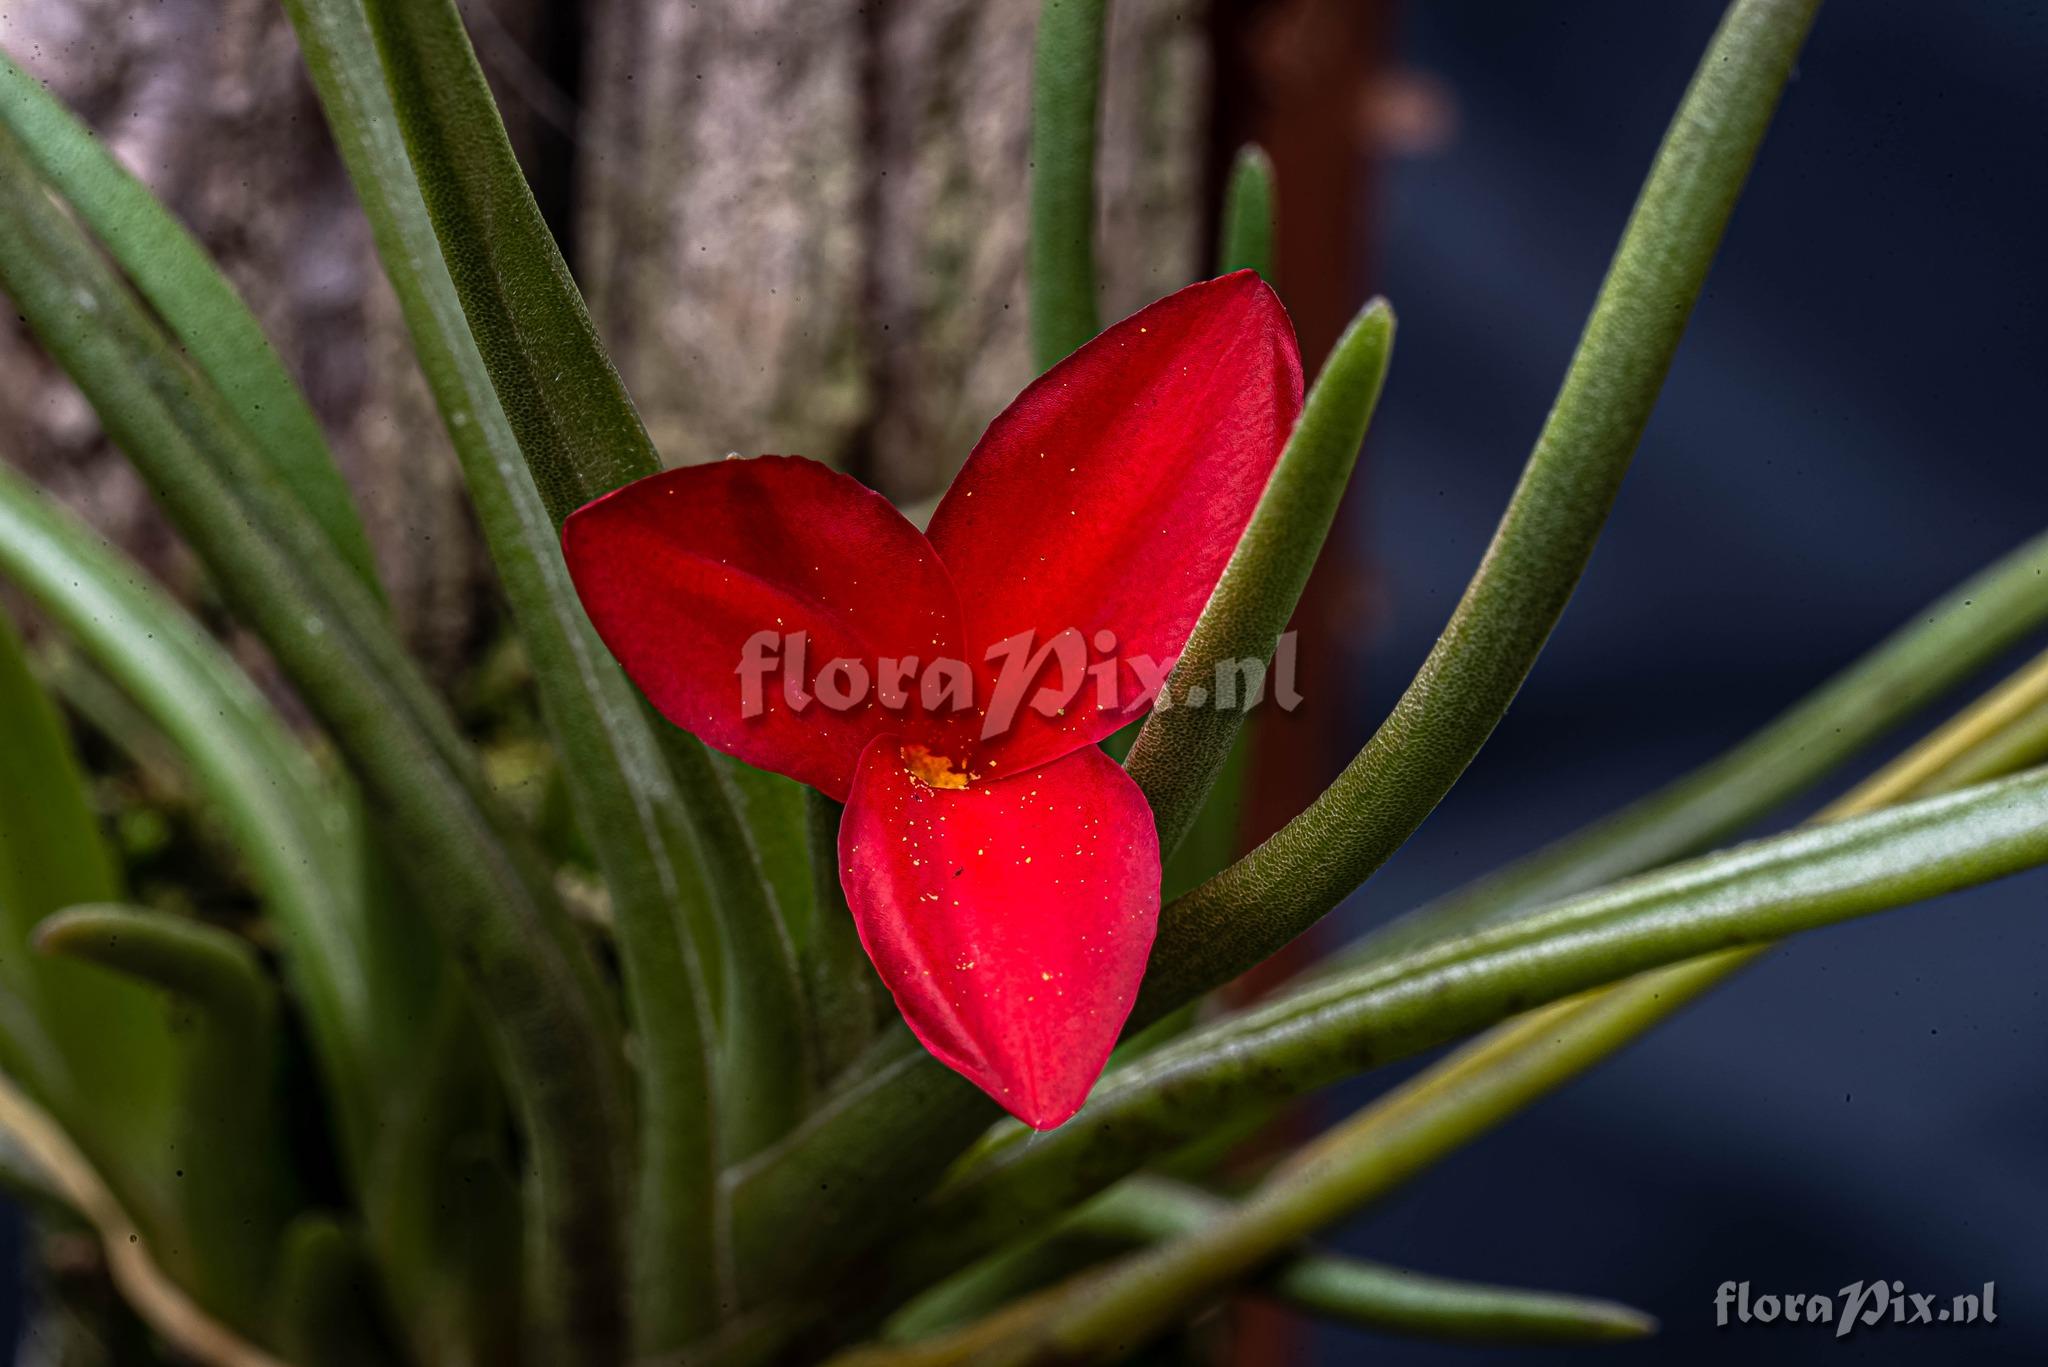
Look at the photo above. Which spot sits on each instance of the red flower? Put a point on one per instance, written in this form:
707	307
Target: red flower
1005	885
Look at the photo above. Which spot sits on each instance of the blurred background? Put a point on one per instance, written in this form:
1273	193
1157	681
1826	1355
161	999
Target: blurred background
801	228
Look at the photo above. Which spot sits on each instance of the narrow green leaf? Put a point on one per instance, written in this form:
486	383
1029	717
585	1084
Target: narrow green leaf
194	300
1182	749
442	1210
1316	1186
1146	1210
1066	95
1246	243
347	957
774	811
364	968
1495	1076
845	994
541	424
1938	647
1324	1031
561	395
767	1068
218	973
498	916
91	1050
232	1177
327	1304
1527	576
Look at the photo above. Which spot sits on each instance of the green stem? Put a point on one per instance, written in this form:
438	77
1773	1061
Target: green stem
1251	909
1066	92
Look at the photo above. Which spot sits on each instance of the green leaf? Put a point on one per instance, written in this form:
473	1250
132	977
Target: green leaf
1146	1210
1324	1031
233	1179
845	994
90	1049
559	391
1066	95
1527	576
541	424
1247	236
1316	1186
1182	749
327	1303
194	300
774	811
1492	1078
1939	646
478	874
364	968
216	972
352	962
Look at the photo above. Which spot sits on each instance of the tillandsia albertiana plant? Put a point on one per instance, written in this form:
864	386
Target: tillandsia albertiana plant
690	1128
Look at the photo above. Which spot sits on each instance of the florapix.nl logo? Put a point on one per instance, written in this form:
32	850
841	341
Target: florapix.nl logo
1066	670
1858	1306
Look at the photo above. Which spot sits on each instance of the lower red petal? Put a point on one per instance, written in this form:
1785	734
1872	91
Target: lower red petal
1010	919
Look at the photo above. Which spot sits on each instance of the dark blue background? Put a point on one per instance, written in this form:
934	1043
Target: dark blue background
1852	427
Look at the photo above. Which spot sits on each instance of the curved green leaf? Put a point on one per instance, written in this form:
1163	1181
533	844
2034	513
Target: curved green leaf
846	997
218	973
1251	909
232	1180
1146	1210
1316	1186
1322	1032
327	1304
1066	95
541	425
195	300
346	955
89	1049
560	394
1495	1076
1181	750
497	913
1941	645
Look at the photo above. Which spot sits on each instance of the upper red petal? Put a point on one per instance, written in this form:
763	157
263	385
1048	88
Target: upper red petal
1011	920
1112	492
680	569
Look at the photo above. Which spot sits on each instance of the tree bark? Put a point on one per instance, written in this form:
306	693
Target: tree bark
207	102
805	224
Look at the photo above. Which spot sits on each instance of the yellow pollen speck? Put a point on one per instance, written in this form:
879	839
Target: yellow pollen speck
933	771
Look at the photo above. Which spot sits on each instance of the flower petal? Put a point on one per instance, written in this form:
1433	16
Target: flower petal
679	570
1011	920
1110	495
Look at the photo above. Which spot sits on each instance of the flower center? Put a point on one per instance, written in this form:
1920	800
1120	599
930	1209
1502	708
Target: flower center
933	770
